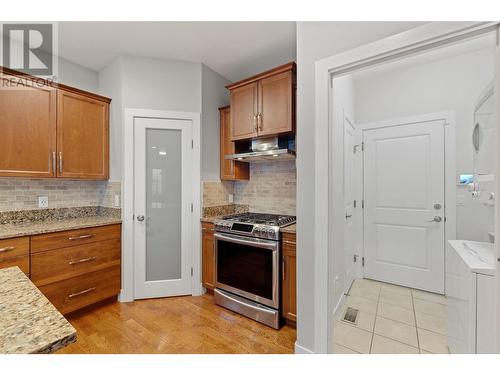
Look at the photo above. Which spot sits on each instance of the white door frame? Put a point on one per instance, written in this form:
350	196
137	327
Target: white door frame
328	148
127	292
450	173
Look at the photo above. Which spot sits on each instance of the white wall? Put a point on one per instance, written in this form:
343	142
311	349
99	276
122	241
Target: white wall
75	75
315	41
136	82
110	85
450	84
214	95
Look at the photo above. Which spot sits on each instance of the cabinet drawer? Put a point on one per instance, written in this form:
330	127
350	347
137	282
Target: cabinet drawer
56	265
14	247
59	240
77	292
23	262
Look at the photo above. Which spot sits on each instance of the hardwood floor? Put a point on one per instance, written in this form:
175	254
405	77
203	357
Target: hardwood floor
174	325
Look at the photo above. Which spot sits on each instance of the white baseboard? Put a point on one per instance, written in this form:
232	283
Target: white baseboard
302	350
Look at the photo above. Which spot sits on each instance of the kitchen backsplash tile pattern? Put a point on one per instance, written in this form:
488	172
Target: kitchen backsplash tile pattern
216	193
22	194
271	188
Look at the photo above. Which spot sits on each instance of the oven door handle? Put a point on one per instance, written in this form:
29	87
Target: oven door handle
256	242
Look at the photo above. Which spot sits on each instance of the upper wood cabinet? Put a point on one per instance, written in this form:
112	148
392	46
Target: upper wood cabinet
27	128
82	136
264	105
229	169
49	130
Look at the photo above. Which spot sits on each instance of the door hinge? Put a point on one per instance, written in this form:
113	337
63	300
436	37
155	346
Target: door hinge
191	271
362	146
355	203
363	204
363	261
191	207
192	143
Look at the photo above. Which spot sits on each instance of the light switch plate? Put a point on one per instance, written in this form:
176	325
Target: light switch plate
117	200
230	198
43	202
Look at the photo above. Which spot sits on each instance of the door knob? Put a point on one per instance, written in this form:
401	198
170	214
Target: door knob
140	218
348	216
437	219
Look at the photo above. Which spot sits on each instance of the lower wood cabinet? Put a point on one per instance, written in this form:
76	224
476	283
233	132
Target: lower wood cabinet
208	256
15	252
74	268
78	292
289	276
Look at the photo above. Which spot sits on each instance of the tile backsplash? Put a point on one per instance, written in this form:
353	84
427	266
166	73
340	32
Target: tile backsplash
271	189
22	194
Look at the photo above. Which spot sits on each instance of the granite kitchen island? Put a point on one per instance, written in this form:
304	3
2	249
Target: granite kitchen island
29	323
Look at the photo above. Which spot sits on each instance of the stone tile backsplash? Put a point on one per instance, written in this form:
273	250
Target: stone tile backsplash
22	194
271	189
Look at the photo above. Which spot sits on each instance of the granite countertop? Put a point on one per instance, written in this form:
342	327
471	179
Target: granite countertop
28	223
289	229
29	323
49	226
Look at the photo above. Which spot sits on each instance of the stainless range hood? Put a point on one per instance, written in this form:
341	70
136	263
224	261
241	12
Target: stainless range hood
267	149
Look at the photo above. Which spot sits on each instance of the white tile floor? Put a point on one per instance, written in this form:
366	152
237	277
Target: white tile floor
392	320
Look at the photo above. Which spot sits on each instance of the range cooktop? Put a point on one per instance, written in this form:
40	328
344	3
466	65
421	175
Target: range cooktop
254	224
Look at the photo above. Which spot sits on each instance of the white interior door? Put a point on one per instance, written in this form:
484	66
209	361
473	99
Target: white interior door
162	205
352	201
404	217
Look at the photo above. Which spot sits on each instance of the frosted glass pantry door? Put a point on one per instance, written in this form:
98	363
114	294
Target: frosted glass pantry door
162	200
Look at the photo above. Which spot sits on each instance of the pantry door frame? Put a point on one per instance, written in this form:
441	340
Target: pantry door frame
328	148
127	291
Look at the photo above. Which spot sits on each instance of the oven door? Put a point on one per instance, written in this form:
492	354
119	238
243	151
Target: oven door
248	267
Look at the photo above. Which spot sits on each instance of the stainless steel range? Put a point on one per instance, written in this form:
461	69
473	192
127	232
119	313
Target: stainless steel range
247	267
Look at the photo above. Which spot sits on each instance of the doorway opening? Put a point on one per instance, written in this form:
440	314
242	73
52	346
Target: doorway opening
414	187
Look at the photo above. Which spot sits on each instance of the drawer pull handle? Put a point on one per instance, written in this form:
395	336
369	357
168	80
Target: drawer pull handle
72	295
82	237
84	260
289	242
8	248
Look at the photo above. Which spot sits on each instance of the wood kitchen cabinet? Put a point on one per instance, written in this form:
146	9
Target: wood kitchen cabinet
208	256
230	170
50	130
264	105
289	272
27	128
15	252
82	136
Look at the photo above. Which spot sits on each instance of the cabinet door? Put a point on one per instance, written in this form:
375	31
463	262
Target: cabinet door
82	136
276	104
27	128
229	169
244	112
289	273
208	257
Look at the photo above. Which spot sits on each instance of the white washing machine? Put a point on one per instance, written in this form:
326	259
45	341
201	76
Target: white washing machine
470	289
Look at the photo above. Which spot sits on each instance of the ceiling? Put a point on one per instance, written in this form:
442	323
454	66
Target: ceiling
233	49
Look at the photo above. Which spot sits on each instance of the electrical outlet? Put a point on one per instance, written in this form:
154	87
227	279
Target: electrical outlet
117	200
230	198
43	202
